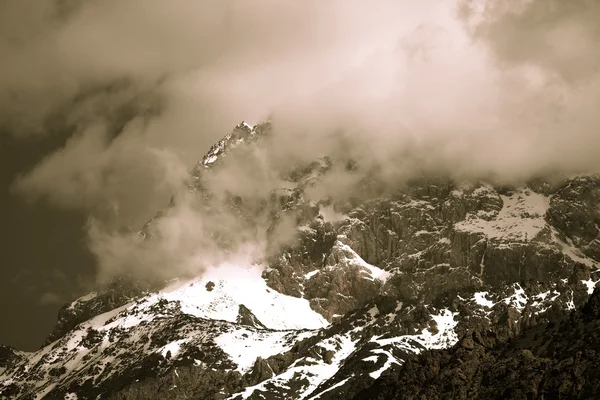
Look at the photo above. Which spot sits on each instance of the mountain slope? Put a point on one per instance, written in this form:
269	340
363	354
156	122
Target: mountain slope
362	286
555	360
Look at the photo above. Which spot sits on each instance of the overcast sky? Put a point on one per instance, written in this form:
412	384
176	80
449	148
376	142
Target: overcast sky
105	106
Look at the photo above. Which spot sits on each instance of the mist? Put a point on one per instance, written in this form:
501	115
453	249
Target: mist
500	90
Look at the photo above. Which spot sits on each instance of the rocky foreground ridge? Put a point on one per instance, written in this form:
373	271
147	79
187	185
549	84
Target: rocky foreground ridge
436	289
559	359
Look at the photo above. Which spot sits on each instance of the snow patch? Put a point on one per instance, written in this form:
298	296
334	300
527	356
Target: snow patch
315	374
445	337
518	299
83	299
388	363
341	383
352	258
173	347
245	345
521	217
590	285
247	125
235	285
311	274
572	252
210	160
480	298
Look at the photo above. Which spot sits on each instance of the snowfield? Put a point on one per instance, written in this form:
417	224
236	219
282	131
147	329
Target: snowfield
241	285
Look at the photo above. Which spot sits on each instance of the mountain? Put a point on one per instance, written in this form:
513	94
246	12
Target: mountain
432	289
556	360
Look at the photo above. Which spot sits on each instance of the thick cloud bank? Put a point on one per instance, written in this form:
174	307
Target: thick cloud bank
503	90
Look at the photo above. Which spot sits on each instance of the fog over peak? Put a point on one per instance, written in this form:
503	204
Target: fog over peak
505	90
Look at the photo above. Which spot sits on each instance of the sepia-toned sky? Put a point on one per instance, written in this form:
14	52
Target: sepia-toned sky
106	104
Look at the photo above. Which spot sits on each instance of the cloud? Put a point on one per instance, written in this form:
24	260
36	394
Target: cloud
114	178
51	286
558	36
193	71
50	298
186	239
501	90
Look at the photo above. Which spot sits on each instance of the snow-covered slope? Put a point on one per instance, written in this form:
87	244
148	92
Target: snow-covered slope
521	217
171	324
221	290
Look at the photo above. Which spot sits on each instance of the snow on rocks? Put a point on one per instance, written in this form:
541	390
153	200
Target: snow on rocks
481	299
329	389
221	290
571	251
346	256
83	299
173	347
445	336
591	284
244	345
391	359
112	336
228	142
518	299
521	217
308	372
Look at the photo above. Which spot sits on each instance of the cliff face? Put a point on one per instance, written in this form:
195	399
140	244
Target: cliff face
457	271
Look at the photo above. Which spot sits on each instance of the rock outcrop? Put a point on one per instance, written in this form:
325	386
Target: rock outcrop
559	359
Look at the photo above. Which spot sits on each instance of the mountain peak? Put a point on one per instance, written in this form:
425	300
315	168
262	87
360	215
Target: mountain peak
362	291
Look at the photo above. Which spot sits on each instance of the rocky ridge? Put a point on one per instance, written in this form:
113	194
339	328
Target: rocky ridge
555	360
364	287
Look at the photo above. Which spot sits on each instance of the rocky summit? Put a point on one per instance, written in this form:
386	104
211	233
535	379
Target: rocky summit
434	289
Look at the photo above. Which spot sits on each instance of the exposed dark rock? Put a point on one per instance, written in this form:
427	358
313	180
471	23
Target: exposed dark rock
210	286
117	293
246	317
261	371
558	360
9	357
